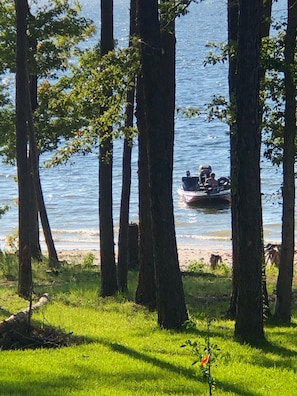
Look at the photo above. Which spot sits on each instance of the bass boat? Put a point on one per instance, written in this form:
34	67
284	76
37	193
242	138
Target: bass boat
204	188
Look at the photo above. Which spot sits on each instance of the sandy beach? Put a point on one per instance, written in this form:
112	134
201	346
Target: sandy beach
186	255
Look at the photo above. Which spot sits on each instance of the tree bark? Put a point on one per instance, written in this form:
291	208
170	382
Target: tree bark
264	29
107	254
233	15
249	321
123	256
146	288
38	194
34	220
158	111
285	277
23	171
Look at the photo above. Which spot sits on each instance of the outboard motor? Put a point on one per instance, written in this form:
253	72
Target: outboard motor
204	173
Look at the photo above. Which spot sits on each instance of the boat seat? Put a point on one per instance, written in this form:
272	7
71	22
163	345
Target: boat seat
191	183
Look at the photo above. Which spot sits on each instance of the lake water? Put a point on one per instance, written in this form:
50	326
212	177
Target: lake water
71	191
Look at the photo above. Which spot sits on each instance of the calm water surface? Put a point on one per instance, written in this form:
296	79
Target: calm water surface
71	191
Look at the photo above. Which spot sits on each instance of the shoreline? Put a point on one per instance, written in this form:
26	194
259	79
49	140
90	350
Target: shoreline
186	255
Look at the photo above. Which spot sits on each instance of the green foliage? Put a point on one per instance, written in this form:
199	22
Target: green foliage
170	10
189	111
272	90
196	266
95	92
225	269
220	109
56	34
88	260
7	121
7	36
3	210
199	267
9	266
12	242
206	355
218	53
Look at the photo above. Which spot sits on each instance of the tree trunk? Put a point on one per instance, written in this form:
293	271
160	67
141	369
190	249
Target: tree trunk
126	177
159	121
233	15
34	237
34	221
52	253
264	29
249	321
146	288
23	171
37	190
285	276
107	254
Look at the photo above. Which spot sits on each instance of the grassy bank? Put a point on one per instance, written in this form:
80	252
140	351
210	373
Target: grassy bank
125	353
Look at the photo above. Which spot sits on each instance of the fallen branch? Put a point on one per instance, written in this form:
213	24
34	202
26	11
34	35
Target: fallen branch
23	315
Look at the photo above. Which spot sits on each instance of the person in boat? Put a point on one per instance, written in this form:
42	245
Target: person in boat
211	181
188	173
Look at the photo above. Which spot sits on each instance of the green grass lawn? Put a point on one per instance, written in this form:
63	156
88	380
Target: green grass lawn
124	352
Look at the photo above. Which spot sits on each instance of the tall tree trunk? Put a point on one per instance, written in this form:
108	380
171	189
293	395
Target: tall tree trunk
126	177
264	29
23	171
107	254
34	220
233	15
37	190
37	198
249	321
285	276
35	235
146	288
169	289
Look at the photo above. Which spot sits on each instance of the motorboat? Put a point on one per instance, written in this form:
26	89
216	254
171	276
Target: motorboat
204	188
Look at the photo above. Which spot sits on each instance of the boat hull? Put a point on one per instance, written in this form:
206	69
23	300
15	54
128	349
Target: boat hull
192	197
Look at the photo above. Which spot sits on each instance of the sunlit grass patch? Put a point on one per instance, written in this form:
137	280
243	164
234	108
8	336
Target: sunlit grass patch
123	350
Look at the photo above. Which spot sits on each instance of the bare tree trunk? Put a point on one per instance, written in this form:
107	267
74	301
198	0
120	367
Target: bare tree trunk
233	15
146	288
171	307
285	277
25	269
126	177
265	29
34	220
249	319
52	253
107	254
37	191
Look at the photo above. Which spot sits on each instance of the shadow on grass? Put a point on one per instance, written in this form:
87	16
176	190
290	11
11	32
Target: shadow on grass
176	369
